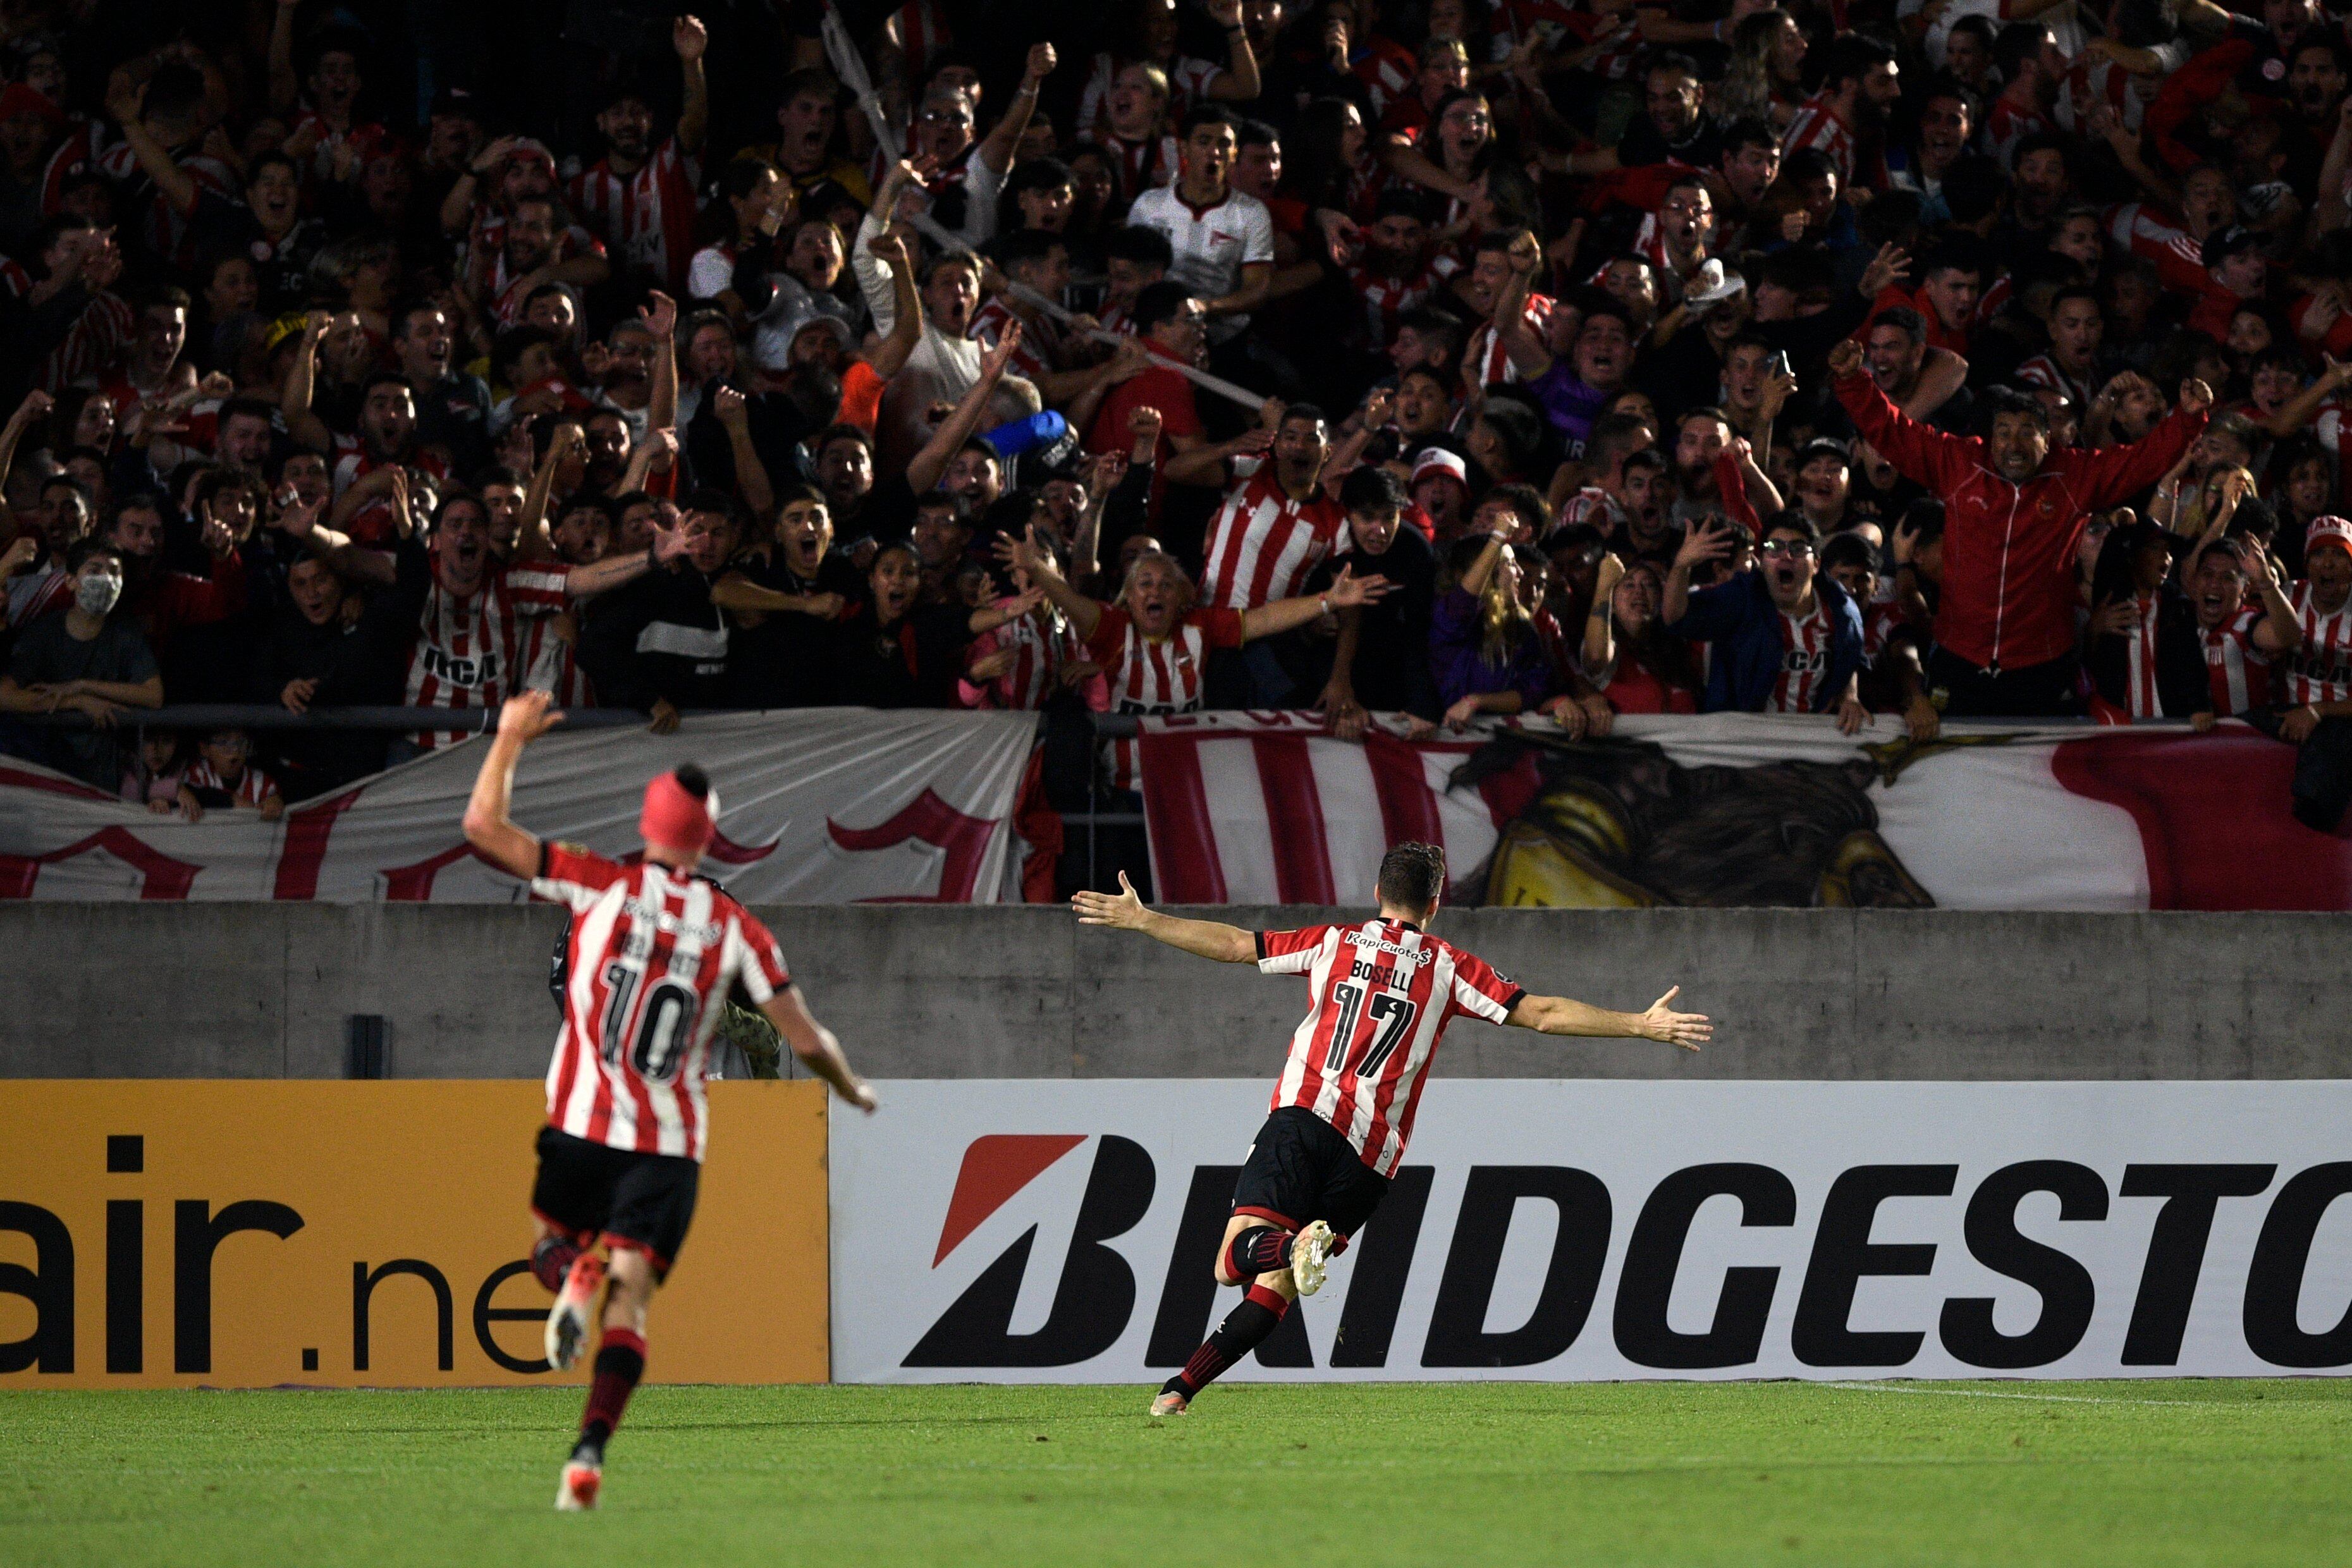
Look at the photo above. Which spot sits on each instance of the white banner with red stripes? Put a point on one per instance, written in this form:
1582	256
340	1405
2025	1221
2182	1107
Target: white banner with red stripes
818	805
1737	810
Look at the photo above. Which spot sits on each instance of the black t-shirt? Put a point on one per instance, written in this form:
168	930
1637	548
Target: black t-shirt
1391	670
1643	144
47	654
913	664
781	662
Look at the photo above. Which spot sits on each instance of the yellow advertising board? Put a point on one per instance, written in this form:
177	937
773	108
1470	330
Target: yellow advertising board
173	1234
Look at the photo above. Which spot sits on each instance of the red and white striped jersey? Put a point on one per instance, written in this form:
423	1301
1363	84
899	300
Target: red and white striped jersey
2179	258
169	233
646	219
252	789
468	650
1039	351
1383	993
2239	672
1144	165
2140	699
1263	543
549	663
923	36
1880	621
2320	669
1805	661
2006	125
365	141
1387	71
648	965
1040	653
1818	125
1487	351
1156	676
1384	301
2043	370
375	523
98	335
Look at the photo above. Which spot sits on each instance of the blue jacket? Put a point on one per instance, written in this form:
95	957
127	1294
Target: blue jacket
1740	619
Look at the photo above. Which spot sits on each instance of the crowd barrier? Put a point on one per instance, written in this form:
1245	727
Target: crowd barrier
179	1234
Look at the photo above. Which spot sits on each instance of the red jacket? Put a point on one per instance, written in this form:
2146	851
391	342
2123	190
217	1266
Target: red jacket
2009	550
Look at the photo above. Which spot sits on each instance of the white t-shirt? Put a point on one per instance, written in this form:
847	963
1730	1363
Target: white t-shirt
1212	244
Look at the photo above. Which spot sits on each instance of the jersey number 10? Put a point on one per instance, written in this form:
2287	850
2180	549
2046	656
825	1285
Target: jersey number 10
667	1025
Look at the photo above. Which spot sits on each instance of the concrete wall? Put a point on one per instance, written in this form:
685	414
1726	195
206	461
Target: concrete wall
263	990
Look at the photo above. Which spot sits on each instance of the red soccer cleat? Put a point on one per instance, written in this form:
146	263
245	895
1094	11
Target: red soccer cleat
576	1493
570	1320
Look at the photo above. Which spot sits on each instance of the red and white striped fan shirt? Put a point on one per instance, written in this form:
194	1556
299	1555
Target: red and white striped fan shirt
1147	164
1156	676
2179	258
376	524
102	330
1384	301
1494	361
1039	654
2320	669
252	789
2140	697
1040	345
2238	671
1817	124
1383	993
1805	661
169	233
468	650
1263	543
646	219
648	965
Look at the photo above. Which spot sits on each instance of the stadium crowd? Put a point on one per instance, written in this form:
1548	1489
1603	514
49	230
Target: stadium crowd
1448	357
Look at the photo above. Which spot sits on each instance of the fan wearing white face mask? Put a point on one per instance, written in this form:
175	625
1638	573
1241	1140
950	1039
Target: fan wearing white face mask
84	659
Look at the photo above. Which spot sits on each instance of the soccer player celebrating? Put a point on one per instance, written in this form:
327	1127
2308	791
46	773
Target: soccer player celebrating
1384	992
653	955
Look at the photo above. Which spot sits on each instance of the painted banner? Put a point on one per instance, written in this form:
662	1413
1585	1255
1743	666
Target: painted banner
1738	810
1064	1231
180	1234
819	805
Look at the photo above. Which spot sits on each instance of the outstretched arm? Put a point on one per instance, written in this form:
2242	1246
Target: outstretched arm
817	1049
1564	1016
523	719
1127	911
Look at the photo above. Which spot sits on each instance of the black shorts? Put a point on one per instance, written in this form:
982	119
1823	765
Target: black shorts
1300	1170
645	1201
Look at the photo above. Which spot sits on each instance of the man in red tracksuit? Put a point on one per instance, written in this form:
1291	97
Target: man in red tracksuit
2014	512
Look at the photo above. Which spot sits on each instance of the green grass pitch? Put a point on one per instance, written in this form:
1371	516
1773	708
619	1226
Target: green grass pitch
2145	1474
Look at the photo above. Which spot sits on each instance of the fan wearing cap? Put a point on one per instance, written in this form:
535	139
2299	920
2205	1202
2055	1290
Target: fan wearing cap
1440	490
654	955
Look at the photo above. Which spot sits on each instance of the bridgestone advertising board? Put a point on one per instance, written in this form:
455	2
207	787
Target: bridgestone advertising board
1064	1231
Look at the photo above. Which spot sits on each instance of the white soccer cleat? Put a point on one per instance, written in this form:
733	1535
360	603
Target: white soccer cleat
1310	1250
1169	1403
575	1492
569	1322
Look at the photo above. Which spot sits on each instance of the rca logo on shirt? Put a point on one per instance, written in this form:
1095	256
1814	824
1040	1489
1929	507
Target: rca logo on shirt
456	671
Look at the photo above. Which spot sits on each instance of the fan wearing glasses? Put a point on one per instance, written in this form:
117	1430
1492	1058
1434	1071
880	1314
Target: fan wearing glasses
1787	638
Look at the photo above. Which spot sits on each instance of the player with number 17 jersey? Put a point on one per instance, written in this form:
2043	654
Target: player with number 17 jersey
1380	994
1384	992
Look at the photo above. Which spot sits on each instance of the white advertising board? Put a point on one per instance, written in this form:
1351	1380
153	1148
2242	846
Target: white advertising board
1065	1230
